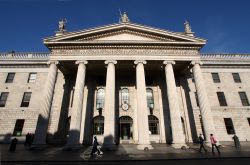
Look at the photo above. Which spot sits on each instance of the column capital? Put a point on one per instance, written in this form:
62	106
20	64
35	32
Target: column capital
52	62
110	61
196	62
140	61
168	62
81	61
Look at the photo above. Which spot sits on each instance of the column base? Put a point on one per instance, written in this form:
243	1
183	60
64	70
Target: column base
144	147
68	147
179	146
38	146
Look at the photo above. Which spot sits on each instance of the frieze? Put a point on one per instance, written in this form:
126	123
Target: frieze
121	52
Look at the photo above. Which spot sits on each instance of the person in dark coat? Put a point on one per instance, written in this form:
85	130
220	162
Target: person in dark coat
13	145
94	149
236	141
201	141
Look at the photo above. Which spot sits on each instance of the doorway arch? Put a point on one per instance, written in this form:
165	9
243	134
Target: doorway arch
126	128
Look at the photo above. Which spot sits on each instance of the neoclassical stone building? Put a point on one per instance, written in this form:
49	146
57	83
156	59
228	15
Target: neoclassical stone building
124	83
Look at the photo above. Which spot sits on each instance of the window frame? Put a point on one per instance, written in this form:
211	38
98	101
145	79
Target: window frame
236	77
150	100
243	98
18	127
216	77
125	96
3	101
229	126
30	79
98	123
153	125
10	77
26	99
222	99
100	99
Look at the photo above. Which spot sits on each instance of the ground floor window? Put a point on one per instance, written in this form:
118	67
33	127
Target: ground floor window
18	127
153	124
229	125
98	125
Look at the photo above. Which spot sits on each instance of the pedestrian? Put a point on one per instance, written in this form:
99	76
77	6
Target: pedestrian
213	143
236	141
94	148
13	145
201	141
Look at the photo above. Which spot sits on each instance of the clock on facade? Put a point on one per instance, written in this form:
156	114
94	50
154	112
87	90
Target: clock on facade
125	107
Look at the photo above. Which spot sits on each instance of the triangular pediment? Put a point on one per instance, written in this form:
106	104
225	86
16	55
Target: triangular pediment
123	33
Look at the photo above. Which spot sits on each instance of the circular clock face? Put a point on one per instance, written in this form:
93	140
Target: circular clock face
125	107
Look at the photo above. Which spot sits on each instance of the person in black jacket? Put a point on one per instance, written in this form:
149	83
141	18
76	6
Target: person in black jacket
94	149
201	141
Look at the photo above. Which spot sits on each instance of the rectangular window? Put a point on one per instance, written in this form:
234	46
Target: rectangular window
196	98
26	99
10	78
229	125
3	98
32	78
248	119
216	77
222	99
243	98
18	127
236	77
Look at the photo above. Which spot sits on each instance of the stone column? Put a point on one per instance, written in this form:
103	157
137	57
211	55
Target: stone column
175	116
205	109
45	106
109	106
76	115
142	110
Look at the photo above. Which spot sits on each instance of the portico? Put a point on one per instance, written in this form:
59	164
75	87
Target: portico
127	72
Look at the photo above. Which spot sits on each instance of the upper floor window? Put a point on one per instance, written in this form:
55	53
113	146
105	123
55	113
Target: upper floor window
216	77
196	99
248	119
243	98
26	99
18	127
150	98
32	77
3	98
236	77
229	125
125	96
10	78
100	98
222	99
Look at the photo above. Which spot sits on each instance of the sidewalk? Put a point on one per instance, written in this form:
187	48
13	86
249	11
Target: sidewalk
124	152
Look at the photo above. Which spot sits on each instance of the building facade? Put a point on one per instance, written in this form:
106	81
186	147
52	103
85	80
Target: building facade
124	83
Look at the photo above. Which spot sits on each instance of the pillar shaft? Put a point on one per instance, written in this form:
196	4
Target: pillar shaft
175	116
76	115
43	118
109	105
205	109
142	111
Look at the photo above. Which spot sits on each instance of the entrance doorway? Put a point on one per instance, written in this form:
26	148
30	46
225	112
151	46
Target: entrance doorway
126	124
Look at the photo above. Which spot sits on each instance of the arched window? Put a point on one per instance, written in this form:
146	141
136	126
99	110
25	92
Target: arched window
125	96
153	124
98	125
100	98
150	98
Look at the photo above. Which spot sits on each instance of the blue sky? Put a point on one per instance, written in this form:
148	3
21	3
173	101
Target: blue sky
224	23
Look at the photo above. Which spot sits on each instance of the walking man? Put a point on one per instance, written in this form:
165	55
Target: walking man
201	141
94	149
213	142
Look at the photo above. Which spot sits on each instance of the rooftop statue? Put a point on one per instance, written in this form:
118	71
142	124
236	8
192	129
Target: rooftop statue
61	24
124	18
187	27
